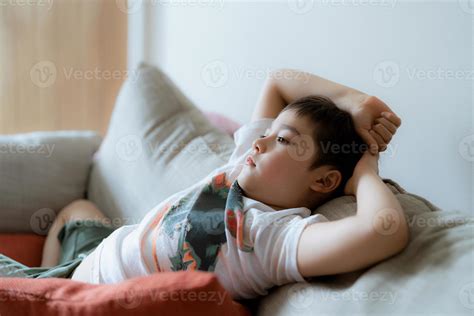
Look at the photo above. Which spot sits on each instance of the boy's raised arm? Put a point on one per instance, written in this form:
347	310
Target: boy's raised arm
270	102
374	121
378	230
284	86
293	84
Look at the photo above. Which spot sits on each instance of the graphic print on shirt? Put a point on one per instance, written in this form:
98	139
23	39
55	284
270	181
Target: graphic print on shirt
199	221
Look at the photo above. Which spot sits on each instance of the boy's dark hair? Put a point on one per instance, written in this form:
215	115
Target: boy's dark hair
332	126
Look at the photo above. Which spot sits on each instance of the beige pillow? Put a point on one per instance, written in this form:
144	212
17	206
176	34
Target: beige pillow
41	172
158	143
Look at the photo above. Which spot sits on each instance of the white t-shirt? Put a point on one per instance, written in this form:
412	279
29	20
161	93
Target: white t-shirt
140	249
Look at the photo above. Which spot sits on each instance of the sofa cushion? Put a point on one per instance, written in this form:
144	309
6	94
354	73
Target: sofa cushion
157	143
41	172
166	293
24	248
432	275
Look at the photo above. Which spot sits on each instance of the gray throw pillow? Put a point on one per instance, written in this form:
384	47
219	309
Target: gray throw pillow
157	143
41	172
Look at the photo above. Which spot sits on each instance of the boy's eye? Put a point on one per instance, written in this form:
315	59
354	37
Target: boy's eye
279	139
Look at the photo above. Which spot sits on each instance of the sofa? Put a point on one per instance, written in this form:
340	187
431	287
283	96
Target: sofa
158	143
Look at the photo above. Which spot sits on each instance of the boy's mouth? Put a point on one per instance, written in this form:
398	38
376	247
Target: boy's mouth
249	161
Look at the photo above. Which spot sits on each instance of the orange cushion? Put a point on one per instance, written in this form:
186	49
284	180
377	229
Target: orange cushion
24	248
165	293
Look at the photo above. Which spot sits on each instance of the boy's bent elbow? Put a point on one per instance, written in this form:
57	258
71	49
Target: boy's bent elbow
394	236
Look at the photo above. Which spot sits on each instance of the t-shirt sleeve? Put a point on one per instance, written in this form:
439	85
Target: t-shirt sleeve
276	246
244	137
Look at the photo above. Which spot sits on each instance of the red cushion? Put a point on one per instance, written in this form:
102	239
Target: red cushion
154	294
165	293
24	248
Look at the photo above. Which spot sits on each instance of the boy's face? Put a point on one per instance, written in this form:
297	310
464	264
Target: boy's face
281	177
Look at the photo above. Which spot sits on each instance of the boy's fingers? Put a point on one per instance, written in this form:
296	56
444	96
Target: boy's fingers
369	140
388	125
393	118
378	138
383	132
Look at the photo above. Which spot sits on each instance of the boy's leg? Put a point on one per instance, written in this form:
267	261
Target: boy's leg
76	210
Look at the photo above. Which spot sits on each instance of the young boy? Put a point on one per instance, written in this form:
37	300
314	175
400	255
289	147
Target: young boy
250	221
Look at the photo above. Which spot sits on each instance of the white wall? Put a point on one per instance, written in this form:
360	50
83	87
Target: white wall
219	53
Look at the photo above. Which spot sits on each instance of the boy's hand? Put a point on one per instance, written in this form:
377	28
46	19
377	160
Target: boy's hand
367	163
375	122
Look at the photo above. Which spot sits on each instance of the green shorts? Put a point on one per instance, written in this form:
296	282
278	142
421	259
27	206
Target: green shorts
77	239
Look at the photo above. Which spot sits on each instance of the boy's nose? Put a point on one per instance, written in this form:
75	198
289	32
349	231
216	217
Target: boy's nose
258	145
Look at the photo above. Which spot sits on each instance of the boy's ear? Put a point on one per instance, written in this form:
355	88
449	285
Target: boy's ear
326	180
